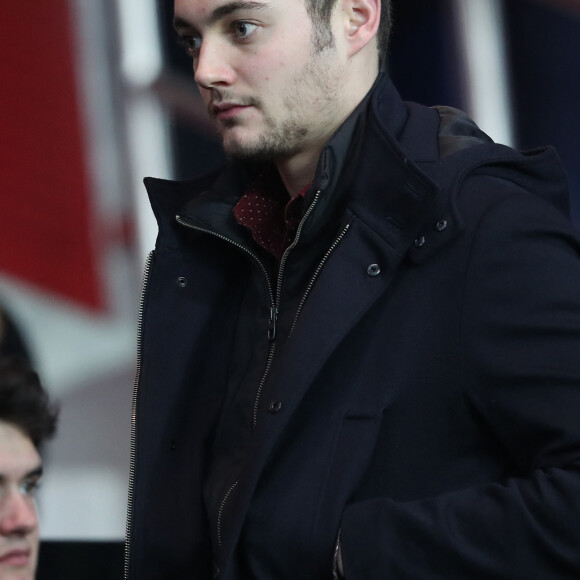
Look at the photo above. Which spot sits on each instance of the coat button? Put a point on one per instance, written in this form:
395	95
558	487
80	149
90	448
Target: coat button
374	270
275	407
182	281
441	225
420	241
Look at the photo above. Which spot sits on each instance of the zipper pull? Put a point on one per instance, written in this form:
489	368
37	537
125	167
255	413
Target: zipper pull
272	324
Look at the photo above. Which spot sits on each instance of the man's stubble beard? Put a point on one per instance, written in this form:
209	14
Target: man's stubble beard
280	140
276	141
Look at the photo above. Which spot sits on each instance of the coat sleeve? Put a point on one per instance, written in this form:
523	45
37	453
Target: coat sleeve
520	375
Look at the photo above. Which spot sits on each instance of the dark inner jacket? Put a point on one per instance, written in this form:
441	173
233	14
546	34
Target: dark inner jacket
385	379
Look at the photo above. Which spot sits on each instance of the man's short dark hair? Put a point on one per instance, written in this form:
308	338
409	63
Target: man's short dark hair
320	11
23	401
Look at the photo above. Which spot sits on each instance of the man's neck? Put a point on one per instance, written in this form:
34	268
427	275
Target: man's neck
299	170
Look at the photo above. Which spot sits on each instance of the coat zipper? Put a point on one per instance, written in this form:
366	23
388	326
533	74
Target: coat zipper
221	511
274	309
315	276
181	221
133	439
277	304
271	337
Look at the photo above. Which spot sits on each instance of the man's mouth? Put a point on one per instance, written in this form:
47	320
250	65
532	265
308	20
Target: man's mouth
223	111
15	558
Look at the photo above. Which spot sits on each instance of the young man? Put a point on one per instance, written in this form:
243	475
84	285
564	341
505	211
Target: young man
359	340
26	420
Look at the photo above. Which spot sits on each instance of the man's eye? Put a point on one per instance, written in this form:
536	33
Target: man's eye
191	44
243	29
29	487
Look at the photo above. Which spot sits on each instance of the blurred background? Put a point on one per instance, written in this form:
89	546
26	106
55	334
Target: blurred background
96	95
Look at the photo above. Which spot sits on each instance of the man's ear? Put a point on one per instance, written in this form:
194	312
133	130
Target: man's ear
361	19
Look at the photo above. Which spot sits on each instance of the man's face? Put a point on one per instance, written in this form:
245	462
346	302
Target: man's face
20	471
272	94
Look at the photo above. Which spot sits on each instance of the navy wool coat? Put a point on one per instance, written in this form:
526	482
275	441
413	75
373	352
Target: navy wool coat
426	402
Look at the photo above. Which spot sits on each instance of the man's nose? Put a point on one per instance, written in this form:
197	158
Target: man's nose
17	515
211	67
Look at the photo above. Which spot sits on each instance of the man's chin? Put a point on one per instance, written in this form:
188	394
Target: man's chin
247	151
17	574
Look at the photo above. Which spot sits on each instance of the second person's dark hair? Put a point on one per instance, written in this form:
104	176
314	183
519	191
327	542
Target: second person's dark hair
23	401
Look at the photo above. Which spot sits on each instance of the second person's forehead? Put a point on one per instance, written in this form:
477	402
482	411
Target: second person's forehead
20	467
18	455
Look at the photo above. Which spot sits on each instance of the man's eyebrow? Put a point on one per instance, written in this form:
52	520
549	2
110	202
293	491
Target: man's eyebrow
226	9
220	12
34	473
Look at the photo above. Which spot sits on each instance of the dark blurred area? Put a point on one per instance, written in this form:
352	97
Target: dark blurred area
80	561
544	53
13	343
